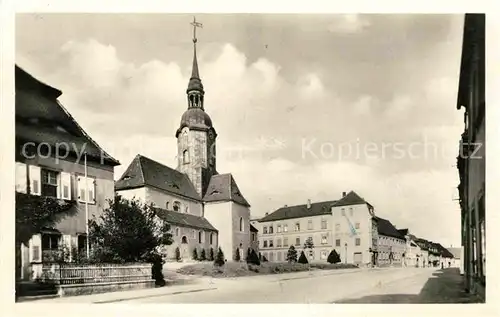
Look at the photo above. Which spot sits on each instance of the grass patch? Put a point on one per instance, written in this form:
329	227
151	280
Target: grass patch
232	269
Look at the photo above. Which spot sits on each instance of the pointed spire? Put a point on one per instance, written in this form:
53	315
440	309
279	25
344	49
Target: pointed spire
195	80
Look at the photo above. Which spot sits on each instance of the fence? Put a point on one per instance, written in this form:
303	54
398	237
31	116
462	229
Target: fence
70	274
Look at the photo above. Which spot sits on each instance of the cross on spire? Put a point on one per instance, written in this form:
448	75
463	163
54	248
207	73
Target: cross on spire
195	25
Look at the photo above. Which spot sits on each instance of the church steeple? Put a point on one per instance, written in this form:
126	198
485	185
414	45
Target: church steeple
195	90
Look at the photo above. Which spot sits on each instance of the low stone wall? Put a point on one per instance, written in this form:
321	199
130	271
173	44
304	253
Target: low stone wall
79	279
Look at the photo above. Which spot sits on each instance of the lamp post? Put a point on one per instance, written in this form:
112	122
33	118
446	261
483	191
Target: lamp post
345	259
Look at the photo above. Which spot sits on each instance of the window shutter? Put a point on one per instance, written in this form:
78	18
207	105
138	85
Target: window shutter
65	185
81	188
35	246
92	184
35	176
59	186
21	178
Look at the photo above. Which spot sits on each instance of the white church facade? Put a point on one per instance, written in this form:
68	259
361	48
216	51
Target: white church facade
204	208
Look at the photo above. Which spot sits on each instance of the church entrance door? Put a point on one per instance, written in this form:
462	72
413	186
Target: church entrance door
184	248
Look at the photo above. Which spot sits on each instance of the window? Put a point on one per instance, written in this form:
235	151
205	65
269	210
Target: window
337	227
49	183
279	256
342	211
187	209
177	206
271	256
265	230
323	239
297	226
50	241
212	238
253	236
176	232
297	241
270	229
193	233
278	243
200	237
185	157
351	211
271	243
324	254
241	225
337	243
86	189
265	244
166	205
82	242
356	225
358	241
285	242
278	229
324	224
285	228
309	224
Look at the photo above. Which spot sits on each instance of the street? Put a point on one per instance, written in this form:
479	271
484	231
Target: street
391	285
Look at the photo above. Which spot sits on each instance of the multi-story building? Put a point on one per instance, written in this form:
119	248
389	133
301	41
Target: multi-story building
344	225
423	257
53	156
412	250
391	244
471	158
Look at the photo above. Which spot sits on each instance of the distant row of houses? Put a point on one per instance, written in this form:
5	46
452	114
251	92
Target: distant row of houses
350	226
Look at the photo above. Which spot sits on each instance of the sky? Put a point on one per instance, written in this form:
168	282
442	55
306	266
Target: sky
305	106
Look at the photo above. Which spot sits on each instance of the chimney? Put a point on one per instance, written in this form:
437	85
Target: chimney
308	203
267	213
343	194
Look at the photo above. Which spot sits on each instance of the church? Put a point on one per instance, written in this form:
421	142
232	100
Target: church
205	209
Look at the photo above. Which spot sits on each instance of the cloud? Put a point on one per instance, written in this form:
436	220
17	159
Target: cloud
349	23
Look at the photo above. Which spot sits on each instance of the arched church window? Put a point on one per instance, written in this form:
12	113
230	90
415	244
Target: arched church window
200	236
166	205
187	209
176	232
191	100
196	101
185	157
184	240
241	224
212	238
177	206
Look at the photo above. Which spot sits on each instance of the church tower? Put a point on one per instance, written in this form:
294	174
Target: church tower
196	136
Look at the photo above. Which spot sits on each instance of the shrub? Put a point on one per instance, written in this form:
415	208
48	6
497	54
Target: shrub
291	255
177	254
211	256
254	258
195	254
260	256
219	259
249	254
203	255
303	258
264	259
237	257
333	257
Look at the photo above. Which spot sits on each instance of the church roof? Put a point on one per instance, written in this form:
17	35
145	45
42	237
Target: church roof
144	171
223	187
184	220
41	118
386	228
300	211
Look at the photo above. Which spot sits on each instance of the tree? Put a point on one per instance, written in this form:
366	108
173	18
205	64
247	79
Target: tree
249	254
177	254
260	256
333	257
309	244
303	258
237	257
291	255
203	255
33	213
195	254
211	256
254	258
115	233
219	258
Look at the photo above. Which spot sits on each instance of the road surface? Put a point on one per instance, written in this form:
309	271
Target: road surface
392	285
